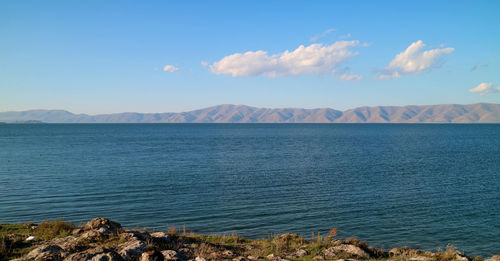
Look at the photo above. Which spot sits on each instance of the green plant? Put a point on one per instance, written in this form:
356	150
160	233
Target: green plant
51	229
286	242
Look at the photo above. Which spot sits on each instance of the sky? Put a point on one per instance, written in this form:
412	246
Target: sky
170	56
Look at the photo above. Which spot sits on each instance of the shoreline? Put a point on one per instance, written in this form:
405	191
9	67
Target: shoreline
103	239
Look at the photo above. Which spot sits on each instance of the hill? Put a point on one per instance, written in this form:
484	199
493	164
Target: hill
228	113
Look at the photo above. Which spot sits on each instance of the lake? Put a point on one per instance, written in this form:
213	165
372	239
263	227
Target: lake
416	185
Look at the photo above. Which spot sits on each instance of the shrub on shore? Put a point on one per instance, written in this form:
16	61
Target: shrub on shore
51	229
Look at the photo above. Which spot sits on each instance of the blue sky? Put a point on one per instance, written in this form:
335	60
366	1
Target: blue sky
109	56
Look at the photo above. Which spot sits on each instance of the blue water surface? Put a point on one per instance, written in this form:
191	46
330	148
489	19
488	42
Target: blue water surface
417	185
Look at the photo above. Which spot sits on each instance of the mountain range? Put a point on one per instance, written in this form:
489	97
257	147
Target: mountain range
228	113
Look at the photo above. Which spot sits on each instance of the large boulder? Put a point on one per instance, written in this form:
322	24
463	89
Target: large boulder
46	252
95	254
132	250
420	258
134	234
169	254
297	254
100	228
109	256
68	244
98	223
161	235
494	258
274	257
461	257
344	249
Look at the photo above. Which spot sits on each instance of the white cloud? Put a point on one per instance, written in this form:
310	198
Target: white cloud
350	77
485	88
315	58
321	35
413	60
170	68
348	35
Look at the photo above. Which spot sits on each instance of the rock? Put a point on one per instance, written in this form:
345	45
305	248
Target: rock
253	257
30	238
99	228
214	256
248	247
404	252
46	252
297	254
420	258
169	254
132	249
199	258
461	257
152	256
240	258
134	234
397	251
228	253
110	256
318	258
345	248
275	258
184	252
68	243
77	231
160	235
300	253
93	235
494	258
95	254
97	223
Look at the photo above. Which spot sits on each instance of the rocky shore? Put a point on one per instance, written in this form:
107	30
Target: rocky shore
102	239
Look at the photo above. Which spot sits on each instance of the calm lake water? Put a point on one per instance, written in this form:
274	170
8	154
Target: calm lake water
420	186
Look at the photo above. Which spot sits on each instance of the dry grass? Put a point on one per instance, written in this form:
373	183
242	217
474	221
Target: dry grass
204	250
449	254
332	233
230	240
172	231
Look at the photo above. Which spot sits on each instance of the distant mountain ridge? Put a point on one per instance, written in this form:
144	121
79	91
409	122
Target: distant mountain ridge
228	113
